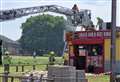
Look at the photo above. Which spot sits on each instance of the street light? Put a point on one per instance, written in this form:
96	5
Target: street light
113	42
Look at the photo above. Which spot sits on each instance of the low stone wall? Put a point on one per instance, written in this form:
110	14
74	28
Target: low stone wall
66	74
36	76
56	74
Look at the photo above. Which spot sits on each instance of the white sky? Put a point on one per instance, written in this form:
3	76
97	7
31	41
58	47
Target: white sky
99	8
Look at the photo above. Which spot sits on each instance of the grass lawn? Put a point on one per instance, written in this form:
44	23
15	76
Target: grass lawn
103	78
44	60
29	60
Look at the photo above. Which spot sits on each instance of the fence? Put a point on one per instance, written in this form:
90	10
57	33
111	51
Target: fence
22	67
6	77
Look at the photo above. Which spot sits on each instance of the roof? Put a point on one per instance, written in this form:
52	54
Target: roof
5	39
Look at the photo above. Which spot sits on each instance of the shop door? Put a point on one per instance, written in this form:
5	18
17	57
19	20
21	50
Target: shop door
80	58
81	63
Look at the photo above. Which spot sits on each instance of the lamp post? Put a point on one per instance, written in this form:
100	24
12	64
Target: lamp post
113	42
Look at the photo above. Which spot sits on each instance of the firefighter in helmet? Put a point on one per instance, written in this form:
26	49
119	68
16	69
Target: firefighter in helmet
52	58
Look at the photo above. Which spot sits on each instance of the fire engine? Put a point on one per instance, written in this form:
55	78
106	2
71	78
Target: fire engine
89	50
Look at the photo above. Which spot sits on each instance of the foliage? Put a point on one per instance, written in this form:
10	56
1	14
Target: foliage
43	33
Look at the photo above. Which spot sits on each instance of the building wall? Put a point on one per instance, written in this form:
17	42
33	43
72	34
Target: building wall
107	53
14	49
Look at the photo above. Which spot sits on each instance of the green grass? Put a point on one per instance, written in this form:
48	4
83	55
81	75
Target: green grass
103	78
29	60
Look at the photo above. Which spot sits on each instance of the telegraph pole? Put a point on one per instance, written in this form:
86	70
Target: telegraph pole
113	42
0	52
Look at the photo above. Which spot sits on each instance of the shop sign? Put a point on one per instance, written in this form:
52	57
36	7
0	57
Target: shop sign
103	34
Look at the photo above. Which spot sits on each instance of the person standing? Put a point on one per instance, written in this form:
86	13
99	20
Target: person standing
66	58
52	58
34	54
100	23
7	61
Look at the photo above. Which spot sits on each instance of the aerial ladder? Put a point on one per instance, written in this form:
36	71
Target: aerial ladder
75	17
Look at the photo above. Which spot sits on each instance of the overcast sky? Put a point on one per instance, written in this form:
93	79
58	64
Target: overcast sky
99	8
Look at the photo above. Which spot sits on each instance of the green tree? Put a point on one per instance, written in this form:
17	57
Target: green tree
43	32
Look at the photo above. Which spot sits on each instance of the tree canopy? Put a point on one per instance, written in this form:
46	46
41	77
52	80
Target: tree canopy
43	33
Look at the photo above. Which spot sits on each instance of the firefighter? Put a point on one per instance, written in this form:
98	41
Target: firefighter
34	54
52	58
7	61
66	58
100	23
75	8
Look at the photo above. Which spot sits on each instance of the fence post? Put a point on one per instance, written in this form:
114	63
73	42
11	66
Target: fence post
12	79
31	78
34	67
46	66
6	72
22	68
6	68
41	77
5	77
16	68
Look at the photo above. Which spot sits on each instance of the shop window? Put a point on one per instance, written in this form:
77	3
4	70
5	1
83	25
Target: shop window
95	50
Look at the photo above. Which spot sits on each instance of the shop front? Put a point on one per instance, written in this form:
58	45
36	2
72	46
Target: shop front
88	50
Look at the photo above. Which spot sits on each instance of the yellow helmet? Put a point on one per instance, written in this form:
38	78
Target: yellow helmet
52	52
7	52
